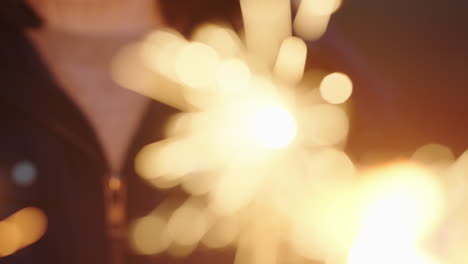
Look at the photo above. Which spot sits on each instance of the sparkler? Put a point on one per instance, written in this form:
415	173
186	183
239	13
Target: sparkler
245	142
264	165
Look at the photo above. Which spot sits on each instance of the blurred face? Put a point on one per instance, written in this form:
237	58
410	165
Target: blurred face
98	16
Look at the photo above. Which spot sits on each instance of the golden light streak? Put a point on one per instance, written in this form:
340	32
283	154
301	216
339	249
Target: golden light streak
320	7
222	233
313	17
32	223
336	88
222	39
200	183
189	223
290	63
149	235
235	190
21	229
311	27
196	64
155	162
159	51
146	162
267	23
129	71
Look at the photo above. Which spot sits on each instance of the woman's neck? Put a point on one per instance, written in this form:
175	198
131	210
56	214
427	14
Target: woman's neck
77	43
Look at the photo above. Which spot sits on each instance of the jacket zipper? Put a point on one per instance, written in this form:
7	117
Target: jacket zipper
115	194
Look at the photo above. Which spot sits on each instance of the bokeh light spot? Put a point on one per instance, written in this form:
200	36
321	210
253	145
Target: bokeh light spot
24	173
336	88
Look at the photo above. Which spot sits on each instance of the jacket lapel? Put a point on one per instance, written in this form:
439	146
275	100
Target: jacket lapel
29	87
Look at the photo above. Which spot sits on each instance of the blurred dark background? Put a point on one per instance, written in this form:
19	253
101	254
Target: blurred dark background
416	51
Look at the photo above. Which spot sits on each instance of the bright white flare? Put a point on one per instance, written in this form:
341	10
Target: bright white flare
273	127
402	205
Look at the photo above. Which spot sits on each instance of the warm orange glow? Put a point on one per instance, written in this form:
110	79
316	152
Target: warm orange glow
11	238
32	222
21	229
115	184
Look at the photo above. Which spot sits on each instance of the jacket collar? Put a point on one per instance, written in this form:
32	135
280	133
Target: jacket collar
30	88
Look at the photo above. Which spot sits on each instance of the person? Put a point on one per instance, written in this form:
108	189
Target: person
72	132
69	134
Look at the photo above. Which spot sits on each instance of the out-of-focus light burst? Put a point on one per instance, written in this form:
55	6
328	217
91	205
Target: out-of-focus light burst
262	157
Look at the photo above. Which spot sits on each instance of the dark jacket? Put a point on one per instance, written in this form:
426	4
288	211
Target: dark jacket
42	127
